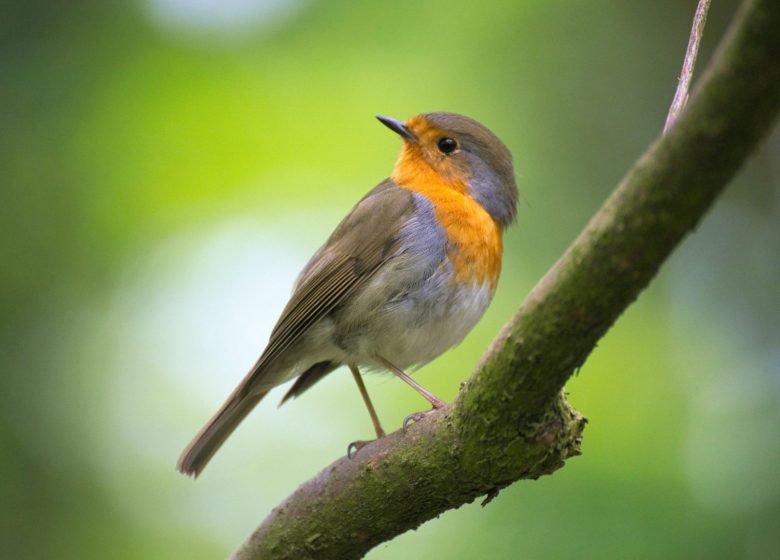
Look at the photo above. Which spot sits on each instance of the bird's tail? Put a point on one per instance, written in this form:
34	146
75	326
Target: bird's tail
200	450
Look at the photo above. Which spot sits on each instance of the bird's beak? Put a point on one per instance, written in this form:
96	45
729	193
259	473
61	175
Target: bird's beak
398	127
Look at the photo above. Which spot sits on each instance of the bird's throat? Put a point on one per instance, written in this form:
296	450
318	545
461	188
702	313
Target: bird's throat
474	238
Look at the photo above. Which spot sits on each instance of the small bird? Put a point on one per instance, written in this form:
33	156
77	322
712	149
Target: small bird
403	278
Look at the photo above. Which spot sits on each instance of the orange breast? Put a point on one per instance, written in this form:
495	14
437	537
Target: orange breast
475	244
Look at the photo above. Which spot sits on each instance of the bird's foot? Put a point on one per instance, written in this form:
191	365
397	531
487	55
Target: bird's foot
355	446
416	417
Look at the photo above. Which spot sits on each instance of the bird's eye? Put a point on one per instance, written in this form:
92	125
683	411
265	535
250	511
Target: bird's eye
447	145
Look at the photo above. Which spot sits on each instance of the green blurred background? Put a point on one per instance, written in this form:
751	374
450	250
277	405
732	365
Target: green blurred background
168	166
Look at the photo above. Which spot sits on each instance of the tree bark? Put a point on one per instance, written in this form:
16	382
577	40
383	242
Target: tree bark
510	420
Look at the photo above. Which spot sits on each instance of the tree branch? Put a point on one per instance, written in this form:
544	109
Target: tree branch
510	420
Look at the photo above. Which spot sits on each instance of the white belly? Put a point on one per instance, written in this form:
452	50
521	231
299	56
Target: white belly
418	326
416	343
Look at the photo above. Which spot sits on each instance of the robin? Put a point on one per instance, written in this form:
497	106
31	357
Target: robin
404	277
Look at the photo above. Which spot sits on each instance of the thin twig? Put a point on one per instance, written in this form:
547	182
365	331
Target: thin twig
684	83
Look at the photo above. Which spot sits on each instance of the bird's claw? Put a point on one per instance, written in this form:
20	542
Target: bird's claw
415	417
354	447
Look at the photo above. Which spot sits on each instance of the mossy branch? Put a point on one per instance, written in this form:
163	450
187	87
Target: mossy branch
510	420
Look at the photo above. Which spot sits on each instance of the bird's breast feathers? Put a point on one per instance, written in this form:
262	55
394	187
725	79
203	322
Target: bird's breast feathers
436	288
474	244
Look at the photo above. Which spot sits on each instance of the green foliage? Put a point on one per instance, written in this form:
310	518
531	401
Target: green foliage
163	184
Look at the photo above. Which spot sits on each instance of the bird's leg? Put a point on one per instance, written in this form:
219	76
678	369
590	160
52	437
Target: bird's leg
366	399
435	401
355	446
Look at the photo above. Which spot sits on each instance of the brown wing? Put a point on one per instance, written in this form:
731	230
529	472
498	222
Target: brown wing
361	243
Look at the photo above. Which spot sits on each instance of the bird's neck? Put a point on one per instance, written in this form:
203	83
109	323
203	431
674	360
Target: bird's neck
474	238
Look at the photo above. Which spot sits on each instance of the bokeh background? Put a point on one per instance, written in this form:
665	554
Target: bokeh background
167	167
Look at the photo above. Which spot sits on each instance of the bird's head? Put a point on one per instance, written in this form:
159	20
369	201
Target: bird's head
460	152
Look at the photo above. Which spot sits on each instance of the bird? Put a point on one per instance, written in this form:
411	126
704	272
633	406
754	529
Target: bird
403	278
